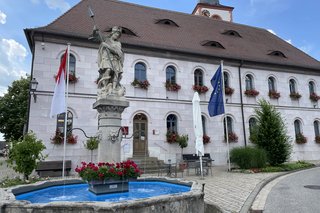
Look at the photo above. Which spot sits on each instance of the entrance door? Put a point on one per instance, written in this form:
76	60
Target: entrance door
140	139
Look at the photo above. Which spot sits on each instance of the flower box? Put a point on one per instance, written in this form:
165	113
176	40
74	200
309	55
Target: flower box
251	93
108	186
314	97
301	139
228	90
172	137
206	139
172	86
317	139
295	95
142	84
274	94
58	138
232	137
200	89
72	78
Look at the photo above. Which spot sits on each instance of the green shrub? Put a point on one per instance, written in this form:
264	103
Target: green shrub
248	157
288	167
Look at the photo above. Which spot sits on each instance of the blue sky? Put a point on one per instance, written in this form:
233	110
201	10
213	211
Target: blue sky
292	20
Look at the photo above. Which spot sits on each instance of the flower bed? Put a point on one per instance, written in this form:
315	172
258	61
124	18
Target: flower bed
200	89
106	171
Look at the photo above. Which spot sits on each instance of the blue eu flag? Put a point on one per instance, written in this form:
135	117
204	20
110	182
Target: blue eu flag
216	106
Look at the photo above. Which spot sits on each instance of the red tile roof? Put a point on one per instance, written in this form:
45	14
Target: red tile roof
254	44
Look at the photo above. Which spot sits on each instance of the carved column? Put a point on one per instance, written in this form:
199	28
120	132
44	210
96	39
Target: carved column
109	124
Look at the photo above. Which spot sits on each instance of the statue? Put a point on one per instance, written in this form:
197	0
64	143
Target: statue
110	62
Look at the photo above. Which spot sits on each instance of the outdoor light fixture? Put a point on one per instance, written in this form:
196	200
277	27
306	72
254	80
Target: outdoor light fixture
33	88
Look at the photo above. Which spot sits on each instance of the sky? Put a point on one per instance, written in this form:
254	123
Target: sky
295	21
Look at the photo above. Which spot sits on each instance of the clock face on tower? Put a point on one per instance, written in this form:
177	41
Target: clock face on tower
205	13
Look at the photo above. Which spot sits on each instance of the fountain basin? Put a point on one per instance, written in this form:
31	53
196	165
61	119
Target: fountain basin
191	201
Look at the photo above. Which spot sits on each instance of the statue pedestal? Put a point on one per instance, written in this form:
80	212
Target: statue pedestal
109	124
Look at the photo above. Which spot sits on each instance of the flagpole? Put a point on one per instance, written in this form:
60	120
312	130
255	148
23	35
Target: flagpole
225	116
66	114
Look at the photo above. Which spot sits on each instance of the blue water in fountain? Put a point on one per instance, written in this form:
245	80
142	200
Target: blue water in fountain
80	192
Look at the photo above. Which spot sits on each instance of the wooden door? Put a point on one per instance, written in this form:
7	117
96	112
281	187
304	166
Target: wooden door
140	139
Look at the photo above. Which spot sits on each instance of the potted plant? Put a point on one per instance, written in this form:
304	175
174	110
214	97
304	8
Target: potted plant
172	136
200	89
228	90
172	86
57	138
206	139
232	137
295	95
314	97
142	84
251	93
107	177
300	138
182	140
274	94
91	144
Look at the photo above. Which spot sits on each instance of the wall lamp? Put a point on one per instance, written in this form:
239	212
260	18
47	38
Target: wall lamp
33	88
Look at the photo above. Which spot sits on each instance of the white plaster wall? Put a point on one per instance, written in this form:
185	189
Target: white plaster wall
156	106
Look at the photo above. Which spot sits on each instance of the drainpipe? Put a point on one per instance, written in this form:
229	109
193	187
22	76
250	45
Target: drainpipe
241	104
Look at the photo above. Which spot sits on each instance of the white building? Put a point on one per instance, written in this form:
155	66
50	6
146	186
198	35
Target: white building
162	45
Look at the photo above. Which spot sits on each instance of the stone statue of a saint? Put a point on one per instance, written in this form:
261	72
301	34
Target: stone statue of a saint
110	62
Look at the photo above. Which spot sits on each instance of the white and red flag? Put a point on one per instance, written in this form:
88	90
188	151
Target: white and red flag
58	104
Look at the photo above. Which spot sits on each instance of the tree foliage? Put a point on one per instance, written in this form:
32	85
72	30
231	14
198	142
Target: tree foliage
13	109
270	134
25	153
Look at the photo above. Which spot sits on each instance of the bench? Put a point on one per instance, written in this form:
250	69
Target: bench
53	168
192	161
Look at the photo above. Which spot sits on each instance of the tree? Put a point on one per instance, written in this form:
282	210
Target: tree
270	134
13	109
25	153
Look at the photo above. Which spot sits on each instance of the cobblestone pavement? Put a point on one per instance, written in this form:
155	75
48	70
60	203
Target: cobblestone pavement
229	191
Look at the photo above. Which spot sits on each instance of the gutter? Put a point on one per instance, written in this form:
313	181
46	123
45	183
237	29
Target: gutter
241	104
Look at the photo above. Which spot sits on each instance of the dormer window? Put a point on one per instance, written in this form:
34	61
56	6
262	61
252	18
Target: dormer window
167	22
277	53
232	33
125	31
212	44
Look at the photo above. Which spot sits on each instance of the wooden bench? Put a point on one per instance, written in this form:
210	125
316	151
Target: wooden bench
53	168
193	162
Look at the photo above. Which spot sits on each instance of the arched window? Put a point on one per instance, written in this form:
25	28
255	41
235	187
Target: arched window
203	119
252	123
198	77
249	82
272	84
172	123
60	122
316	128
226	80
140	72
171	75
72	64
292	86
311	87
297	127
229	125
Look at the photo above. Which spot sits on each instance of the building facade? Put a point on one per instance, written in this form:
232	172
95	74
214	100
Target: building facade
170	49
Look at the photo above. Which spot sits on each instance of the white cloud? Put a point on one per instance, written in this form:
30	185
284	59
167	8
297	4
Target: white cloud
289	41
306	48
62	5
12	63
3	17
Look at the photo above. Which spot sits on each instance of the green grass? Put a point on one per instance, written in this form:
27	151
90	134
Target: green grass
288	167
